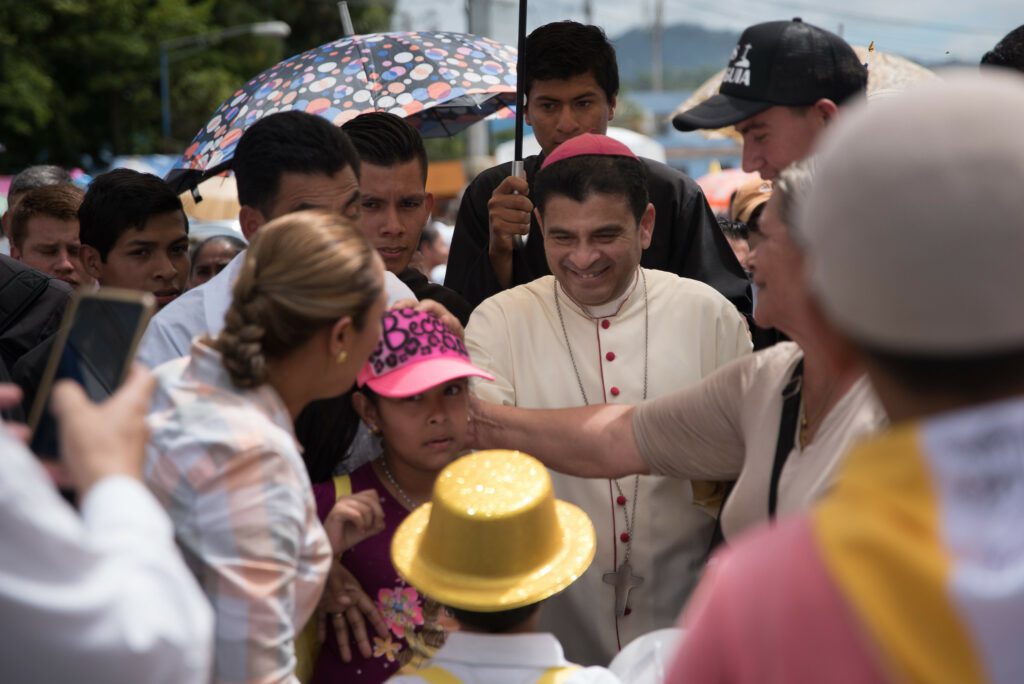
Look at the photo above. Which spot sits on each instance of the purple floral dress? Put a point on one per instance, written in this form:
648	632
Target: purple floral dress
414	634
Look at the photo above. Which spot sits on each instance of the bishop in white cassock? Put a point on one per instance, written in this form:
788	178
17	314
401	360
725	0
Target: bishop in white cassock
518	337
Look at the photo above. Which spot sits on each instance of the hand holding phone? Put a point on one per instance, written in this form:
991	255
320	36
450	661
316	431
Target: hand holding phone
94	347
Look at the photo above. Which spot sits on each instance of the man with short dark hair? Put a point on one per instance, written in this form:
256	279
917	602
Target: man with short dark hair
395	202
284	162
44	233
785	82
134	234
602	329
571	81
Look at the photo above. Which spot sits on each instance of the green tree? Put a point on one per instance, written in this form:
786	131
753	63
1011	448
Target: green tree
79	79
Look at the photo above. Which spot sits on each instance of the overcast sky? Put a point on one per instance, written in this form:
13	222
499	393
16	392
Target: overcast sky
932	31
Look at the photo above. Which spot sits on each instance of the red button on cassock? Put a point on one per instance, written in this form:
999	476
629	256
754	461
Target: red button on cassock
621	500
614	391
610	356
624	537
606	324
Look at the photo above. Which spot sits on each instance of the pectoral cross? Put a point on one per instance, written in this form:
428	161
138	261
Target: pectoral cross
624	581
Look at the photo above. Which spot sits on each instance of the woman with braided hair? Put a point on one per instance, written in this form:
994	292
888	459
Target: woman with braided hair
223	457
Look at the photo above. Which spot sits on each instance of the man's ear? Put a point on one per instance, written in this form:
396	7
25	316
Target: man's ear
428	202
15	252
92	262
611	107
250	219
647	226
540	220
826	109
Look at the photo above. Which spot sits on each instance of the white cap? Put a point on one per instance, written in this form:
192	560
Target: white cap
915	225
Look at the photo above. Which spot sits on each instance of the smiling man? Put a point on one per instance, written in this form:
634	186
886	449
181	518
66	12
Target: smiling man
602	329
395	202
134	234
784	84
571	80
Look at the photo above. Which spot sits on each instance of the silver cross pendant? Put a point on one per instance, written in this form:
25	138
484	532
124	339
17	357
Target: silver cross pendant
624	581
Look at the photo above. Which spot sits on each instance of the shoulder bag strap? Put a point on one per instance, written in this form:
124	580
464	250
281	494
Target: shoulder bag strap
787	431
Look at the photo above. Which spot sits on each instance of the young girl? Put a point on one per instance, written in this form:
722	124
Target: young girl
414	395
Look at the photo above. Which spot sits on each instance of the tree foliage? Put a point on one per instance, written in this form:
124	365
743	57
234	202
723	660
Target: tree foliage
80	79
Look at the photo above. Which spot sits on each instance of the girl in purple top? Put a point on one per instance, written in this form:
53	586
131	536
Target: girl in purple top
415	395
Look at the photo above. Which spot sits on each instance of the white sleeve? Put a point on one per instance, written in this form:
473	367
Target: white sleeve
104	597
158	344
489	347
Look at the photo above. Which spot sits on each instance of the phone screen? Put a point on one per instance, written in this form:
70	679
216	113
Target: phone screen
94	348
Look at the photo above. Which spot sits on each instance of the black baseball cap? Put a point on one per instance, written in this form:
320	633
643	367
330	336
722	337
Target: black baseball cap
787	63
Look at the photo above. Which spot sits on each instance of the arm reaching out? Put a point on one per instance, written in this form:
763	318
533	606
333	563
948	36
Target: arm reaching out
589	441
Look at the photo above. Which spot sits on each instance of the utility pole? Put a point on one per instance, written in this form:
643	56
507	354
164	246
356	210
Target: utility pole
657	32
478	15
588	11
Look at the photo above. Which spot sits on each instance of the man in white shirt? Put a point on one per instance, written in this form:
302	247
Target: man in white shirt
104	595
604	330
285	162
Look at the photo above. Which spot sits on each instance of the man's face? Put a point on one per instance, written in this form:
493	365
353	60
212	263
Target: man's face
210	261
154	259
395	206
337	193
51	245
777	137
593	247
561	109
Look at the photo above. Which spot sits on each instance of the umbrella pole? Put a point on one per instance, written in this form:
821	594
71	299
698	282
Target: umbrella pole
517	163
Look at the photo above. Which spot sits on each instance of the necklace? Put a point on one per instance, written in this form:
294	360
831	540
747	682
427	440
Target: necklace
805	423
409	503
622	578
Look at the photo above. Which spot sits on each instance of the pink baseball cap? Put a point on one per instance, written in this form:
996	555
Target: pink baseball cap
415	353
588	144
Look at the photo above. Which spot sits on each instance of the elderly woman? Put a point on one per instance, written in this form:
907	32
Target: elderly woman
223	457
778	421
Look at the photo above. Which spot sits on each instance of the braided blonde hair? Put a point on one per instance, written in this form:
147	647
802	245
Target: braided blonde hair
302	273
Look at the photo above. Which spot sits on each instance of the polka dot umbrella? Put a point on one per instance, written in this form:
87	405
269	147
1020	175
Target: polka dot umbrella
440	81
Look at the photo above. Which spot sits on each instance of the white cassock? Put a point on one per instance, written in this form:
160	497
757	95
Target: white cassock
517	336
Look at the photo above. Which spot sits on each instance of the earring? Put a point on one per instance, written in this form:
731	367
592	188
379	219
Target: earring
342	357
374	430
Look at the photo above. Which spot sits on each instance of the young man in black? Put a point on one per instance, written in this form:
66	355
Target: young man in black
571	81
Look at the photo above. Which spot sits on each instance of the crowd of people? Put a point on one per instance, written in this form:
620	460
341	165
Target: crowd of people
791	436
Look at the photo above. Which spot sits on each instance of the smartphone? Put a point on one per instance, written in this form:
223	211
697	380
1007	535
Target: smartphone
94	347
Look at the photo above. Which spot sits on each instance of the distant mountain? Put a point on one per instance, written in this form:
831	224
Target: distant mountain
685	48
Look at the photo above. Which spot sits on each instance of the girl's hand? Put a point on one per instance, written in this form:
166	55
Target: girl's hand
354	518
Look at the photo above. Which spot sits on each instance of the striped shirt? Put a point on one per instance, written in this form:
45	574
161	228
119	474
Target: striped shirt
226	465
